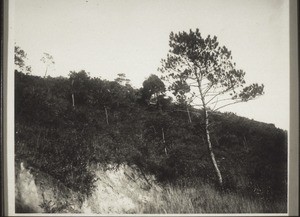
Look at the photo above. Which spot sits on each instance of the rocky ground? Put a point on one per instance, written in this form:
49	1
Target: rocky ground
118	190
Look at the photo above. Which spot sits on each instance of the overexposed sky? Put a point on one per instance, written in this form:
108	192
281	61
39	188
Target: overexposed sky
107	37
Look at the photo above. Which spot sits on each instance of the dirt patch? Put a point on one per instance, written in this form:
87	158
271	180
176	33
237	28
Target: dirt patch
118	190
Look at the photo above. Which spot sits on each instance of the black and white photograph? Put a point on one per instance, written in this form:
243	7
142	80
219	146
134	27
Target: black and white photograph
146	107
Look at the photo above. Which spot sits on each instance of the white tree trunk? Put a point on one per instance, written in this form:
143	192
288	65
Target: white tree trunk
164	141
46	72
73	100
188	111
209	146
106	115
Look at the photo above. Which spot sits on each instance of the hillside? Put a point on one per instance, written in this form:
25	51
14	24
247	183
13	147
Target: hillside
66	126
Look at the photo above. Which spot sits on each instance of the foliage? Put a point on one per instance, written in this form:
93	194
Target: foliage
48	60
63	154
152	86
121	79
203	73
20	60
63	141
203	68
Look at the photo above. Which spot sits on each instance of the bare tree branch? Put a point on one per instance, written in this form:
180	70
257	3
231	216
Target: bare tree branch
221	100
228	105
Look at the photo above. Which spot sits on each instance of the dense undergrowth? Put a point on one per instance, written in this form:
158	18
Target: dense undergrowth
63	125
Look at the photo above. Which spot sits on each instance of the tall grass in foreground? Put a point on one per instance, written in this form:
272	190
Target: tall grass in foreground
206	199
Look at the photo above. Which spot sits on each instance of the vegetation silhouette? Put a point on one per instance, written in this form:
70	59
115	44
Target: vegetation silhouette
63	125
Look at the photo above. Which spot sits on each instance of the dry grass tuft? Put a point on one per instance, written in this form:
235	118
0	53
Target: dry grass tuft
203	198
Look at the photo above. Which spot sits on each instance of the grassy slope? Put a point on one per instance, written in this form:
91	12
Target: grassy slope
57	139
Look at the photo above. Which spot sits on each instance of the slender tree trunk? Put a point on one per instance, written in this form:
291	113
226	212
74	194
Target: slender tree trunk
245	144
106	115
73	97
208	141
164	141
159	108
209	146
163	135
46	72
188	111
73	100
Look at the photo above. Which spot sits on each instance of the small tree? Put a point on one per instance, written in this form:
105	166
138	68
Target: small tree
153	87
20	57
48	60
203	73
122	80
79	86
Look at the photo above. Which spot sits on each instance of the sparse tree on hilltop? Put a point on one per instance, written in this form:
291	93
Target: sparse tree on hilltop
153	87
20	57
122	80
79	86
202	72
48	60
